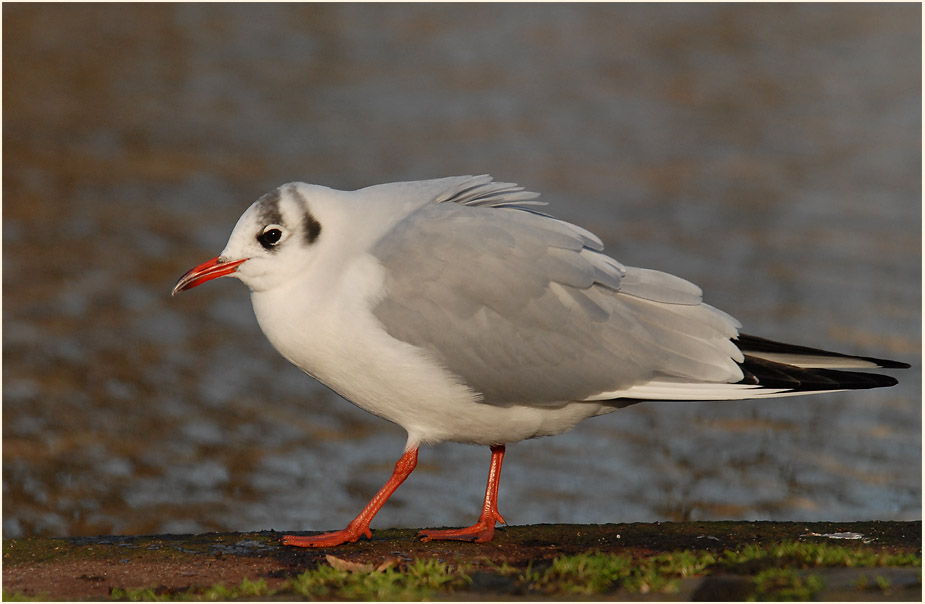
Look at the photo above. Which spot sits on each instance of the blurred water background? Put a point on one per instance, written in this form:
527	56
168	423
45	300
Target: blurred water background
769	153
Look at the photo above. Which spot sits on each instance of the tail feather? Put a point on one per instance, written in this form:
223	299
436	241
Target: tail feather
770	369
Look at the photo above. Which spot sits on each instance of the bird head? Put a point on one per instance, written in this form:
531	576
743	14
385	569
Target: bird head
272	241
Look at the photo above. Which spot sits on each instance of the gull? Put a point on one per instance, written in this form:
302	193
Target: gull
458	310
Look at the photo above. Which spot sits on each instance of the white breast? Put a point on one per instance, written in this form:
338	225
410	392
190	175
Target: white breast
324	326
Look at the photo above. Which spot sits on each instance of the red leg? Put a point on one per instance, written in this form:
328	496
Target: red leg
359	526
484	529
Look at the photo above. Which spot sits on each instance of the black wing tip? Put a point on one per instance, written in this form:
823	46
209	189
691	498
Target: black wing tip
887	364
748	343
769	374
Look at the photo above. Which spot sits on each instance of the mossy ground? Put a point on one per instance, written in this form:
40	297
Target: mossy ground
725	561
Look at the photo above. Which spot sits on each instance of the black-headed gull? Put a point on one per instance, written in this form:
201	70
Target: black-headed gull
457	310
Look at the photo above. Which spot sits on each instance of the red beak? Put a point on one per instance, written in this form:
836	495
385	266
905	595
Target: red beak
212	269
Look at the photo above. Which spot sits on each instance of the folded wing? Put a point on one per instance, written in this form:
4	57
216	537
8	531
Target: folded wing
524	307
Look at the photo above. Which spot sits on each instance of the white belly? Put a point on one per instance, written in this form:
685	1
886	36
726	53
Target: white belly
343	346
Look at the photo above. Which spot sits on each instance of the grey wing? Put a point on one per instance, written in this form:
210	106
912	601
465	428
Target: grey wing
526	308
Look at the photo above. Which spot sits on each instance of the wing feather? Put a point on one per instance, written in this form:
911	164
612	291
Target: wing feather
524	307
661	287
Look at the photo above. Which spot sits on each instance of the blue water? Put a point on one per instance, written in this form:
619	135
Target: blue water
769	153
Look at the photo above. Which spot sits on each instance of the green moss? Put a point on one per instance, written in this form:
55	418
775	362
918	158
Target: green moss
585	573
419	580
595	573
9	596
34	550
814	555
785	585
215	593
774	568
780	571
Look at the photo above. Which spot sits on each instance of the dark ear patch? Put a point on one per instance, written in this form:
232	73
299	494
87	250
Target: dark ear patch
312	227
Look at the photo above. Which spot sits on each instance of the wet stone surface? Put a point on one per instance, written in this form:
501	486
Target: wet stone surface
86	568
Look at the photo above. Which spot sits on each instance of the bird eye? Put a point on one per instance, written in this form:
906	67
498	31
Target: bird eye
270	236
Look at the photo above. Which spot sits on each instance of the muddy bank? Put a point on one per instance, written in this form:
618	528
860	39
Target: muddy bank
100	567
